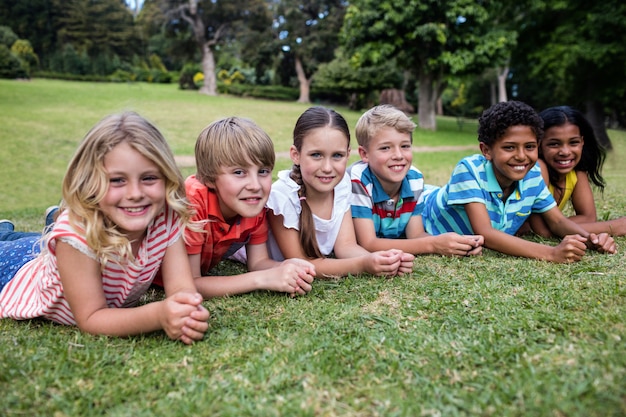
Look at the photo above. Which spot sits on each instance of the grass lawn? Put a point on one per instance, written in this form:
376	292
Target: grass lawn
486	336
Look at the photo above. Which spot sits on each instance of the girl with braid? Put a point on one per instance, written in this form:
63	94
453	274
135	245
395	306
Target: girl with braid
309	205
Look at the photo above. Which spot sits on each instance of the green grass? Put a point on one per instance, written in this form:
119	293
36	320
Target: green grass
486	336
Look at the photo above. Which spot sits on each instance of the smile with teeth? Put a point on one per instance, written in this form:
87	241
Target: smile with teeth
134	209
397	168
518	167
569	161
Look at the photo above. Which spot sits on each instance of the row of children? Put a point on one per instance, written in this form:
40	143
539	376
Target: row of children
125	207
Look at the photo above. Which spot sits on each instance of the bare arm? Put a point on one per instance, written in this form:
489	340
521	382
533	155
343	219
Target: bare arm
265	274
82	285
582	200
417	240
571	249
351	258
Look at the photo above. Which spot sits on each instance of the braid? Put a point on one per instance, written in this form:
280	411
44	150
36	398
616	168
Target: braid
308	239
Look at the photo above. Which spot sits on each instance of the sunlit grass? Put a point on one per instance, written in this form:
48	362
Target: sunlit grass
486	336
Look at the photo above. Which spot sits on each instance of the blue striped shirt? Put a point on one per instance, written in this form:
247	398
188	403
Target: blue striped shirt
473	181
370	201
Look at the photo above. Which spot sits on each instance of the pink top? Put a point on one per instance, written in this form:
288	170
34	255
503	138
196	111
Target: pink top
36	289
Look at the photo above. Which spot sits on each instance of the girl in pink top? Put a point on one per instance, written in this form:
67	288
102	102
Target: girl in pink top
120	222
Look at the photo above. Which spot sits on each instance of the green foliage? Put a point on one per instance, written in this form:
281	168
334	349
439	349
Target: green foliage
7	36
432	40
10	65
270	92
572	54
309	30
345	82
186	78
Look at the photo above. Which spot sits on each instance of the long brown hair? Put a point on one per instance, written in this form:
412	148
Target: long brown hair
313	118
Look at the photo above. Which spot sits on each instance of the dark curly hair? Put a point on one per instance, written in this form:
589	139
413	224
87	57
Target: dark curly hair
494	121
593	154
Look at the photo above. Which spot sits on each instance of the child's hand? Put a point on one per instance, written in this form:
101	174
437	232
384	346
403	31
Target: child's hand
453	244
602	242
293	276
406	262
383	263
184	318
571	249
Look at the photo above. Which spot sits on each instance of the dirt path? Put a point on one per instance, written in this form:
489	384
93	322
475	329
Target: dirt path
185	161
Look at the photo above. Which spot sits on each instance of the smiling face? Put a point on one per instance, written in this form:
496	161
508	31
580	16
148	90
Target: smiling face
323	159
512	155
562	148
389	155
136	192
242	190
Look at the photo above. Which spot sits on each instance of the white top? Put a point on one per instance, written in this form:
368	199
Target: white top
284	201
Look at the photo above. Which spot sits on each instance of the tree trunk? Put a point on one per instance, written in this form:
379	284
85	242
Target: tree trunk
493	96
427	102
305	83
595	115
502	74
208	69
396	98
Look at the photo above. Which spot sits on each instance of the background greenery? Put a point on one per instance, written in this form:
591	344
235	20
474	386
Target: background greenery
486	336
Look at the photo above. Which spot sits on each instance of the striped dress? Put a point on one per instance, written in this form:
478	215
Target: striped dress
36	289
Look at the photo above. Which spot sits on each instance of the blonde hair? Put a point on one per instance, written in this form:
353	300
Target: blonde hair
232	141
384	115
86	182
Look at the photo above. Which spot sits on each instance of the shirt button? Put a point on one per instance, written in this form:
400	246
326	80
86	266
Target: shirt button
388	214
499	195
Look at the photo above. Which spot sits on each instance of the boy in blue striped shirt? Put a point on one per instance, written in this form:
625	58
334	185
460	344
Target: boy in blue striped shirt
387	190
493	193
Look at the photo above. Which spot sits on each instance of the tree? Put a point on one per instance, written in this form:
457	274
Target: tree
105	27
354	84
572	52
432	39
308	30
213	22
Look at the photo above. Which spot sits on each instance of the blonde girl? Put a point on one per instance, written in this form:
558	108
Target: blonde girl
309	205
571	163
121	221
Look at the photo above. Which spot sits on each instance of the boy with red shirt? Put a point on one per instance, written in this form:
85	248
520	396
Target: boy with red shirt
234	160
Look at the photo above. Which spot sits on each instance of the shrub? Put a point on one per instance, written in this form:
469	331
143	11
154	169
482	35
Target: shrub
23	50
272	92
7	36
121	76
10	65
187	74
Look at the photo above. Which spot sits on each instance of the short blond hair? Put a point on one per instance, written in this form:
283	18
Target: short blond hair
378	117
232	141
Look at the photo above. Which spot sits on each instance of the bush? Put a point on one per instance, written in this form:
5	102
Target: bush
70	77
271	92
121	76
7	36
10	65
186	78
23	50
